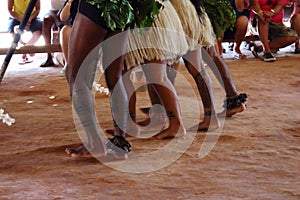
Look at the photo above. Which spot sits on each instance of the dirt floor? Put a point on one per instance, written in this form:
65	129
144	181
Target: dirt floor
254	155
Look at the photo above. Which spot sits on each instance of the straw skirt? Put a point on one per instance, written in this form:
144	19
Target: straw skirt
165	40
198	29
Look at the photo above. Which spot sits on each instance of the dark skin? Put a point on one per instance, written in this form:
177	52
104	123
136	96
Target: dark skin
167	95
157	80
48	23
193	63
88	37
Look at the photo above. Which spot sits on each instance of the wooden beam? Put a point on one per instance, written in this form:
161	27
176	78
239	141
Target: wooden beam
34	49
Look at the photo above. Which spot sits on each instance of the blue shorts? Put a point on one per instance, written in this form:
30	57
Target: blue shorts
36	24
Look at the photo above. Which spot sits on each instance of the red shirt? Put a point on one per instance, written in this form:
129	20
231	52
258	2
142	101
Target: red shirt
278	18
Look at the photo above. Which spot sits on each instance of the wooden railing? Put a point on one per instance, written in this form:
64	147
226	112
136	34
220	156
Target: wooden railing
34	49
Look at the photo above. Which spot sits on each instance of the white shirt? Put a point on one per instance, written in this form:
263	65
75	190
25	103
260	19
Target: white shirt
57	4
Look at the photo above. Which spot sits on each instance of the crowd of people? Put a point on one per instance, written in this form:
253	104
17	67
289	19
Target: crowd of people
269	22
83	26
59	18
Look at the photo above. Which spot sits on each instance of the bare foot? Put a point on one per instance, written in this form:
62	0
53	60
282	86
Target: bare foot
82	152
210	122
232	111
171	133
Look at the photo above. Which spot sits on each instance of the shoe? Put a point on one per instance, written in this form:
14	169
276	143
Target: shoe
25	60
297	51
47	63
268	57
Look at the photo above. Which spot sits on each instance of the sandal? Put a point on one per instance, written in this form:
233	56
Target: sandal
25	60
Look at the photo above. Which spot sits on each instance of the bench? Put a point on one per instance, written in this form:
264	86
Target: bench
50	48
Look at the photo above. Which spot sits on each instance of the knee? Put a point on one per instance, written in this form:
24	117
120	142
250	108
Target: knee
48	20
295	21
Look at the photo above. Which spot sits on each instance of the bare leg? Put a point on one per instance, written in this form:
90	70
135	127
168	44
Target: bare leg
241	29
113	68
282	42
87	37
156	74
48	23
132	128
263	30
193	62
224	77
295	24
64	42
157	118
222	72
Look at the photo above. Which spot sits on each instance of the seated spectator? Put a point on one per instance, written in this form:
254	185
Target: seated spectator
272	32
295	23
242	10
51	21
16	9
67	13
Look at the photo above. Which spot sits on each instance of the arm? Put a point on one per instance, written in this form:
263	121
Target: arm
277	9
13	14
256	8
36	12
296	7
65	12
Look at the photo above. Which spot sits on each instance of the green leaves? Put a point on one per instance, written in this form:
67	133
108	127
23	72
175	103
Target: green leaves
221	15
119	14
145	12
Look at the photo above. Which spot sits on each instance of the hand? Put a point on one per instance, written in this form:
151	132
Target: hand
261	15
27	27
268	15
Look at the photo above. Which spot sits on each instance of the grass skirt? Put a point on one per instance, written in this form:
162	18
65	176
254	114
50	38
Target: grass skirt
164	41
198	29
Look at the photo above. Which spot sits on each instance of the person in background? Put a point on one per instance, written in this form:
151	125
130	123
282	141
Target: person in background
50	21
67	14
272	32
242	10
16	9
295	23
